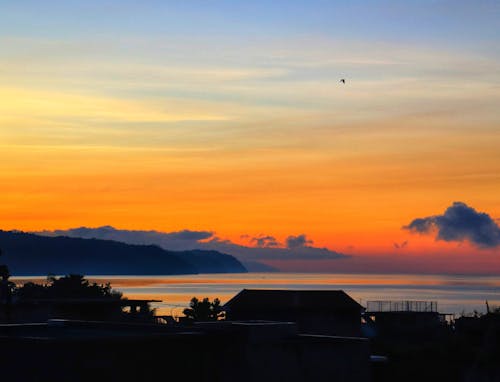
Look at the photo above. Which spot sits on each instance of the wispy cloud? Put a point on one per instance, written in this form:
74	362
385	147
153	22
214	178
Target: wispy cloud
298	241
265	241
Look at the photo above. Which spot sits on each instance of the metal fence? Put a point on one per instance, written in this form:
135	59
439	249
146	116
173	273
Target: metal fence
401	306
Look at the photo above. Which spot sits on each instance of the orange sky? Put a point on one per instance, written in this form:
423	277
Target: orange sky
148	131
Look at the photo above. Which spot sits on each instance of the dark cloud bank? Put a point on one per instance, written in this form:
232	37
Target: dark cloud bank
263	247
458	223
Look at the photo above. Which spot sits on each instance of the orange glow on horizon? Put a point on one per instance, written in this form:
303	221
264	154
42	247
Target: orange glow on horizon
239	145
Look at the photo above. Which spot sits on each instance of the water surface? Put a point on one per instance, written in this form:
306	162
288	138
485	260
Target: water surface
455	294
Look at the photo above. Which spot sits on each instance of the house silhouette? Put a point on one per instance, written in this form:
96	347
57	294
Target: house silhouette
327	312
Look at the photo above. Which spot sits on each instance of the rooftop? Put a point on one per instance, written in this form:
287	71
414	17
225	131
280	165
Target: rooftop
293	299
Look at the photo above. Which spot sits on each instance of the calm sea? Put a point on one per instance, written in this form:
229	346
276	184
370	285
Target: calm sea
454	294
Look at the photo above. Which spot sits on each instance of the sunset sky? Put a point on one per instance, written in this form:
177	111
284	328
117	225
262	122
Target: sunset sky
229	117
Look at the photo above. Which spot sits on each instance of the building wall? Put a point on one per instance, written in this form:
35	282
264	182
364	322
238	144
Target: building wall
346	323
308	358
225	354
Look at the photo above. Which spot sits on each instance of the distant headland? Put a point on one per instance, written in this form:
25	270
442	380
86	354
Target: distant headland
29	254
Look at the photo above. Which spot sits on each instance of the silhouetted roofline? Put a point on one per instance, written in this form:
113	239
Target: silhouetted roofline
293	299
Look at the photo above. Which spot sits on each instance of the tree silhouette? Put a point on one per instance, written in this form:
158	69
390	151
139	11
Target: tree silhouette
4	269
204	310
74	297
75	286
6	288
70	286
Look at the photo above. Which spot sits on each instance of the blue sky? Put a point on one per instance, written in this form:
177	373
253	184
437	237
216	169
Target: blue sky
449	22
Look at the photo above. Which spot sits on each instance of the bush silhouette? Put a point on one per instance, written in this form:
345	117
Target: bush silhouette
204	310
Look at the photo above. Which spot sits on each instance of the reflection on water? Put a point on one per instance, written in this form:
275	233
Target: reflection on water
453	293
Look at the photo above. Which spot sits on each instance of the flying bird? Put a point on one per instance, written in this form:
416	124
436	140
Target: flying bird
342	80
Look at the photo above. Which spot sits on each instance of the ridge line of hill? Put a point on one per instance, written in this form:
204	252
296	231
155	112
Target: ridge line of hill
29	254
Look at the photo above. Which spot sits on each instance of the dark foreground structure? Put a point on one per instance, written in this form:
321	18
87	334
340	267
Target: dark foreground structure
63	350
268	335
421	344
328	312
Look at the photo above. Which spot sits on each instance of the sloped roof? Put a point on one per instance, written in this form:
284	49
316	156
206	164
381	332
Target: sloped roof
278	299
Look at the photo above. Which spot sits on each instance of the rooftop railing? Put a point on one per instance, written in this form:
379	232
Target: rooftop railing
401	306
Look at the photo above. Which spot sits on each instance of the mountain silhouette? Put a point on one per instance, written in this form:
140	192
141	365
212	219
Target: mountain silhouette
28	254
